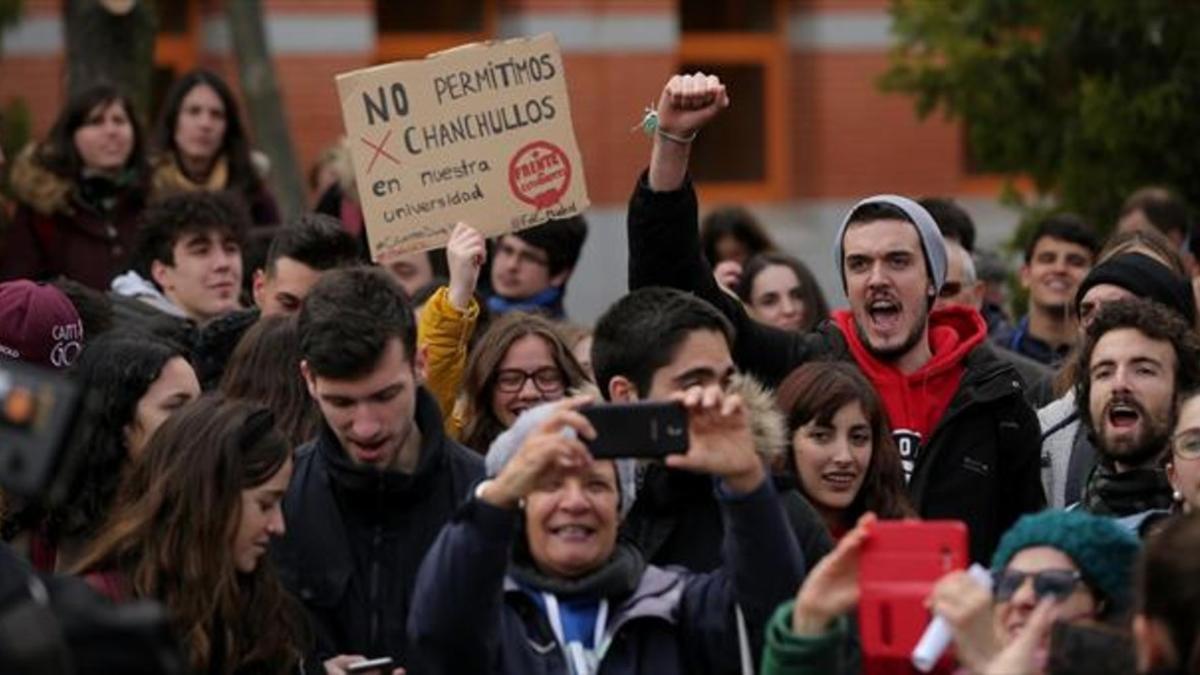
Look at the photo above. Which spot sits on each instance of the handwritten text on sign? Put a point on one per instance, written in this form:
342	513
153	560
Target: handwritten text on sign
480	134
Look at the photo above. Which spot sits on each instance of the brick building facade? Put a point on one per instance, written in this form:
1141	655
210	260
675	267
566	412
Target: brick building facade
807	118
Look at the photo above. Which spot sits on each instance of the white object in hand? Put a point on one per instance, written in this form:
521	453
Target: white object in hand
938	634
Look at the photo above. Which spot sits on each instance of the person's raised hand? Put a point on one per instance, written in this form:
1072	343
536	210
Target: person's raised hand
547	449
466	252
688	102
727	274
831	588
966	605
720	442
1027	653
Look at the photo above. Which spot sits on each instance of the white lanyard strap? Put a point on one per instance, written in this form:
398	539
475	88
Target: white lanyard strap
577	658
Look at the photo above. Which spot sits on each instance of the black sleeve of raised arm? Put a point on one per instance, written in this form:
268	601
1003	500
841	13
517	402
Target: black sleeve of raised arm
664	250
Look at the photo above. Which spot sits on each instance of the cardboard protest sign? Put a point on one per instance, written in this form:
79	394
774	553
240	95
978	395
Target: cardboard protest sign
481	134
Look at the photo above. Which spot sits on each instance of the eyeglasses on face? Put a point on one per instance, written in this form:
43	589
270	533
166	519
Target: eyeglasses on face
1058	584
1186	444
547	380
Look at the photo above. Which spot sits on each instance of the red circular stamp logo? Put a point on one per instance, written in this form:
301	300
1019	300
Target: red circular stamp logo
539	174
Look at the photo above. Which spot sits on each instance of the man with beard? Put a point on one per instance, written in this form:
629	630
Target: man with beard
1137	357
968	440
1068	454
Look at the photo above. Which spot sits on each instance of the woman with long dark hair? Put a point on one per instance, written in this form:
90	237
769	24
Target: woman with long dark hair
521	361
780	291
191	530
842	452
79	193
202	145
265	368
136	381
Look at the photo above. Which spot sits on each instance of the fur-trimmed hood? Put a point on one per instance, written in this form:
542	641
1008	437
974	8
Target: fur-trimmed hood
33	184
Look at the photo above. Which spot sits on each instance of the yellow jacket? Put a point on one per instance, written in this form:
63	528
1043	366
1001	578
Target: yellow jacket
443	334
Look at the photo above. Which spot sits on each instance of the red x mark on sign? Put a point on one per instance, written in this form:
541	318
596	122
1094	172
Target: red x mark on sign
379	150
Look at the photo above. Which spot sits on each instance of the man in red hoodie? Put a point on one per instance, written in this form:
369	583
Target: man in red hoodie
969	442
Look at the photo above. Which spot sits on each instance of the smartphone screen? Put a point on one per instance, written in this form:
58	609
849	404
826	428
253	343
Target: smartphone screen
380	666
643	429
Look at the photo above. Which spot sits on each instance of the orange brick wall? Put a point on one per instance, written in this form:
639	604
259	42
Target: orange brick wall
851	140
608	96
846	138
38	80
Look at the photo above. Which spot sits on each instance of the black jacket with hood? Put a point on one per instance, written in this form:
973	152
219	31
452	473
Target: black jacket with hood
355	537
980	463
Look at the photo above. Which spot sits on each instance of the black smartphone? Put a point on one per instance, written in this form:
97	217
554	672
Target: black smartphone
643	429
382	666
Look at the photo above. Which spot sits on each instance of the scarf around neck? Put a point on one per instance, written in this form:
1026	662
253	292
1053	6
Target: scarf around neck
617	578
547	302
1112	493
170	177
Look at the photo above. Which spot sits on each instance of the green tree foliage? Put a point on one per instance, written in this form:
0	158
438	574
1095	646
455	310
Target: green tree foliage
16	129
1089	98
10	12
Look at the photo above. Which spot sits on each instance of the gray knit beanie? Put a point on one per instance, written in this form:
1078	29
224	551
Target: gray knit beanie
506	445
931	237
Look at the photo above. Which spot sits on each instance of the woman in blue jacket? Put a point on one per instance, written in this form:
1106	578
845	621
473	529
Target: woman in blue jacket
530	577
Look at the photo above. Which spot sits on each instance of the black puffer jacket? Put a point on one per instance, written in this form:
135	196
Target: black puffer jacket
355	537
981	463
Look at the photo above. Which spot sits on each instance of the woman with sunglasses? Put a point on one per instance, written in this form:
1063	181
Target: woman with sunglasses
522	360
1071	565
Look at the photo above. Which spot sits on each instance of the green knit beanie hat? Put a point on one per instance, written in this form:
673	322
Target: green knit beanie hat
1103	551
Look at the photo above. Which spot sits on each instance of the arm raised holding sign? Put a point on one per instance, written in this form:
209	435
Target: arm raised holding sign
448	321
664	240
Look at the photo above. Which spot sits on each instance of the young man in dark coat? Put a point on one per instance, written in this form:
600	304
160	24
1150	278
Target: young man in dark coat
968	440
370	494
656	342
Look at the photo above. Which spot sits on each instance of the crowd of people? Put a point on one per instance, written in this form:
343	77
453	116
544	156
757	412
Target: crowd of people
311	461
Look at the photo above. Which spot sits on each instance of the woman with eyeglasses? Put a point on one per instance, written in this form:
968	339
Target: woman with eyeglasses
522	360
1183	466
1053	566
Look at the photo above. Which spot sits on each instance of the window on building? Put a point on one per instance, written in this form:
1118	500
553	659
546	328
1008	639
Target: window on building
743	43
410	30
721	16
